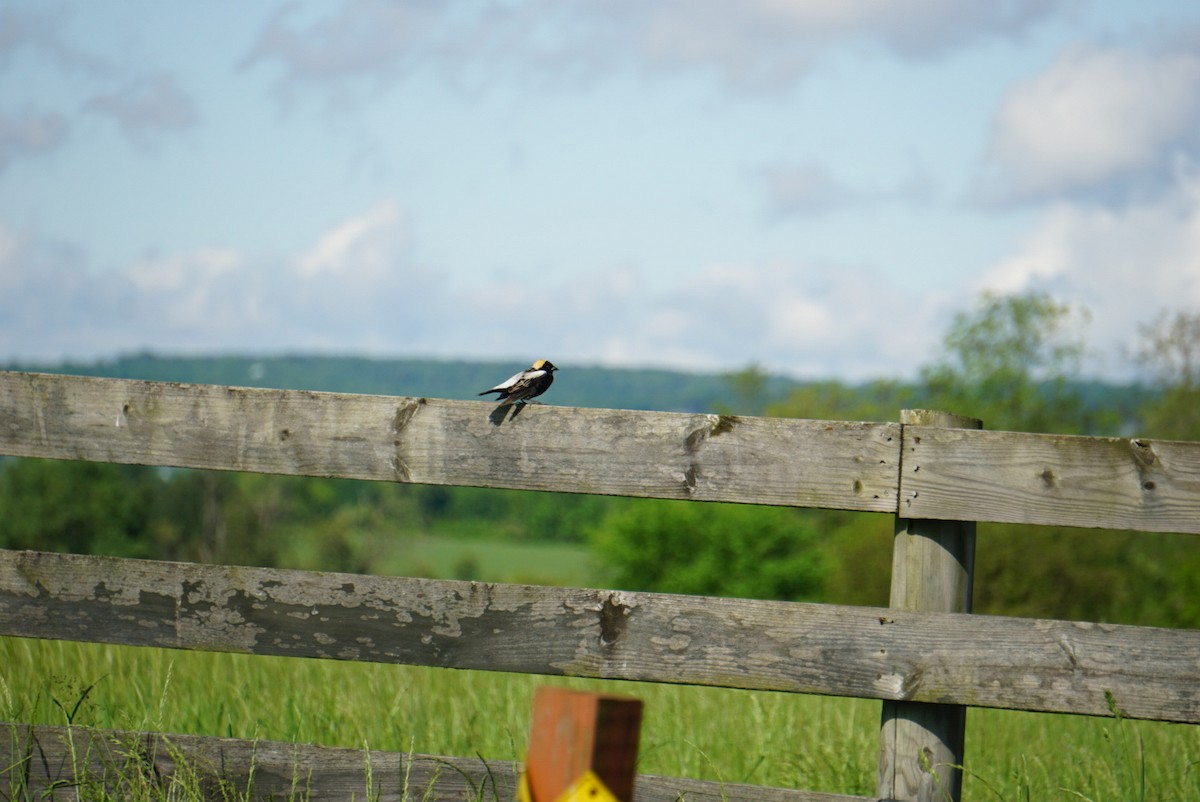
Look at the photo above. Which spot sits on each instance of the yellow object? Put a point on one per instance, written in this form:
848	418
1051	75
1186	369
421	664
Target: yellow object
588	788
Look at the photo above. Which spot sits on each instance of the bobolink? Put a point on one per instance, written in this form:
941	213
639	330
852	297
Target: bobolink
525	385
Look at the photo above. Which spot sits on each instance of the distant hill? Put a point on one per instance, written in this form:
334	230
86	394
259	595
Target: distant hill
577	386
617	388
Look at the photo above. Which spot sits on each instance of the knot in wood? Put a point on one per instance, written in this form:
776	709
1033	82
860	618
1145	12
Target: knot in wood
614	614
406	413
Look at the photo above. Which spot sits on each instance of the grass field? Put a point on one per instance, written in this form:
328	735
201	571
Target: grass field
490	561
736	736
449	557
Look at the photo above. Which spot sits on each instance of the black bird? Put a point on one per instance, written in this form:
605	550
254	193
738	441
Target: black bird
525	385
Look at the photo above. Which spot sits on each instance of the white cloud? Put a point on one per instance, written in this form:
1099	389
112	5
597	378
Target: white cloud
1102	122
193	293
26	29
773	42
375	40
367	243
788	316
802	190
1123	265
146	108
756	43
1108	138
357	288
30	133
145	104
39	30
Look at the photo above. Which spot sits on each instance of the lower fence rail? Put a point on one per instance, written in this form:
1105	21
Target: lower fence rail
53	762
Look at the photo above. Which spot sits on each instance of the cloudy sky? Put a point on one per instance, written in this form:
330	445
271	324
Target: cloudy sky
812	185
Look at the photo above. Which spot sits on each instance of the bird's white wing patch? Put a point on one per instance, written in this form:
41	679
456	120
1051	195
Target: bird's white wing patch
509	382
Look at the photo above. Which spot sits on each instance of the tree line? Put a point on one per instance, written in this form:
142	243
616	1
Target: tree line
1013	360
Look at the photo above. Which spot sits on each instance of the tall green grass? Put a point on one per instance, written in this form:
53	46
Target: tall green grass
788	740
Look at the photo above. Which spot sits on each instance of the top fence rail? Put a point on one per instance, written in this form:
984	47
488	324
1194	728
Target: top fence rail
913	471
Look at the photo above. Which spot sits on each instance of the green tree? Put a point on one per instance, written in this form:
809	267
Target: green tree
879	400
81	507
749	389
1170	354
1010	362
1142	578
712	549
1013	361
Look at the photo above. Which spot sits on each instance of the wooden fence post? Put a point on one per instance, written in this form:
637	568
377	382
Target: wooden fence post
581	746
921	744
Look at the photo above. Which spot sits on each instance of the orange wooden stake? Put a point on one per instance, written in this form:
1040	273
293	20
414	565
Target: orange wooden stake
574	732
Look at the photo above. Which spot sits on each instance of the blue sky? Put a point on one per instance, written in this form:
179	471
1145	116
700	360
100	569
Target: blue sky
813	186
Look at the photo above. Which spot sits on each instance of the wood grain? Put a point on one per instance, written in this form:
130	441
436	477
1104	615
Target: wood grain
875	653
612	452
1111	483
51	763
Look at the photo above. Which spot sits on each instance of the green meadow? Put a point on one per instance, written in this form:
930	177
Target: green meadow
475	558
815	743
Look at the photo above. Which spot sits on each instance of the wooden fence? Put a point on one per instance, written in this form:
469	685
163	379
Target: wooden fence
926	657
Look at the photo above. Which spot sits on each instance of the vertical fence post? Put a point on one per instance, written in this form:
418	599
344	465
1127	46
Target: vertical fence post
921	744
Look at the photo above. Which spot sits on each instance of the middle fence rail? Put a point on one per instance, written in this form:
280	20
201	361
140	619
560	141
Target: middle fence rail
866	652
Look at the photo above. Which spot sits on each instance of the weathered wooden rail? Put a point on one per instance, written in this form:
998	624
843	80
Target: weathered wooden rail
948	474
284	771
925	657
866	652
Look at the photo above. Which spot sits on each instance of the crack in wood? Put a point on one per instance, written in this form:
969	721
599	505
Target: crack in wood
910	684
400	470
1069	650
404	415
714	426
689	478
